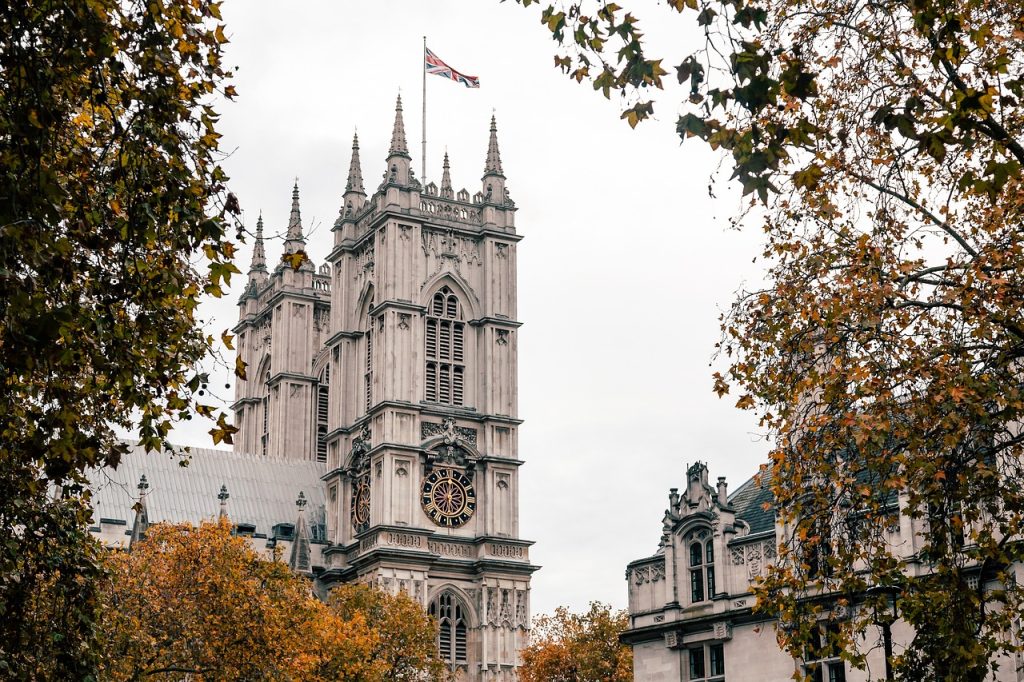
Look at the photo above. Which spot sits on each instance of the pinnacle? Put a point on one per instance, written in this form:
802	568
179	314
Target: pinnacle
259	255
398	144
493	164
355	171
446	179
295	218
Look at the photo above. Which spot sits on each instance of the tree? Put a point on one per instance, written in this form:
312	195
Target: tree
571	647
199	603
406	649
111	202
882	142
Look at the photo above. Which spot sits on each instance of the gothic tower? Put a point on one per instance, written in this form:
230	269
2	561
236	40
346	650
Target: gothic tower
409	393
281	328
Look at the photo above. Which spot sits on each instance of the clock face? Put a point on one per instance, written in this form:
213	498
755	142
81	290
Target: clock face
361	504
448	498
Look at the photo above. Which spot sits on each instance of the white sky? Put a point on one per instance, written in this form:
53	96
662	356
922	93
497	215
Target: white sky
625	266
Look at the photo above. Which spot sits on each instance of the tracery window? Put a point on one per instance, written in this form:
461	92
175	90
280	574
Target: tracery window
451	621
702	566
445	350
322	405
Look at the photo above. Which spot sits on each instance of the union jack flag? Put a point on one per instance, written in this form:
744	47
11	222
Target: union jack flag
434	65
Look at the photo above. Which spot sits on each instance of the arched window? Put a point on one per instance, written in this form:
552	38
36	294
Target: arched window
266	413
322	405
451	623
702	566
445	350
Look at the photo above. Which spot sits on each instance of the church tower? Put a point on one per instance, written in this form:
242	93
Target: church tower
282	324
408	392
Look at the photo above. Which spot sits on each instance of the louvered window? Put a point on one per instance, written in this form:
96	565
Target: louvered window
445	350
322	405
368	376
452	642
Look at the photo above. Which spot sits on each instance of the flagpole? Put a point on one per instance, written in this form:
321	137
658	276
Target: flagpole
423	67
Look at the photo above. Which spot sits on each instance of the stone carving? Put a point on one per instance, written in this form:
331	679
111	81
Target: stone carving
447	246
505	614
660	618
403	320
492	606
363	261
755	556
722	630
671	639
452	434
753	561
521	616
359	462
502	338
646	574
501	250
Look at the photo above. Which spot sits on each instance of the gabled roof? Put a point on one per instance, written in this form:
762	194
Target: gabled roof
749	502
262	490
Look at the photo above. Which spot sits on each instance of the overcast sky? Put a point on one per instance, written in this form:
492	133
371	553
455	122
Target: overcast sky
625	266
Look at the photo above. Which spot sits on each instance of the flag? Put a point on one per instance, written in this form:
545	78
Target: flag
435	66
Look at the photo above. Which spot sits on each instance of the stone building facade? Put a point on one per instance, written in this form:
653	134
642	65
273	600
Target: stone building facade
377	421
691	606
394	365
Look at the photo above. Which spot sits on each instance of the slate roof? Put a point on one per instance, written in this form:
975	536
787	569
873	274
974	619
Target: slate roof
262	490
748	502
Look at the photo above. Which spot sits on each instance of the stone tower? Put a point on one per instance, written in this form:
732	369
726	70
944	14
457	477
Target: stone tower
409	391
281	329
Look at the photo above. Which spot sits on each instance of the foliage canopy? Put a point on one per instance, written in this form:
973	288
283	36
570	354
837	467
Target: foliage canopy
110	198
584	647
883	142
200	604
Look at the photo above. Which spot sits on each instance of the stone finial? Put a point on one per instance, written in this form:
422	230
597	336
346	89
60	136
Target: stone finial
259	254
493	164
398	144
355	170
723	490
223	497
143	486
446	179
300	557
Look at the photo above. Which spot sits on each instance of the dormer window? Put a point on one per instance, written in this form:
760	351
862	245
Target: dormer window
702	566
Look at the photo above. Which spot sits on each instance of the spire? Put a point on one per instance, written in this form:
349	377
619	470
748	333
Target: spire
259	255
299	561
446	179
493	163
141	523
223	497
398	145
355	170
295	217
